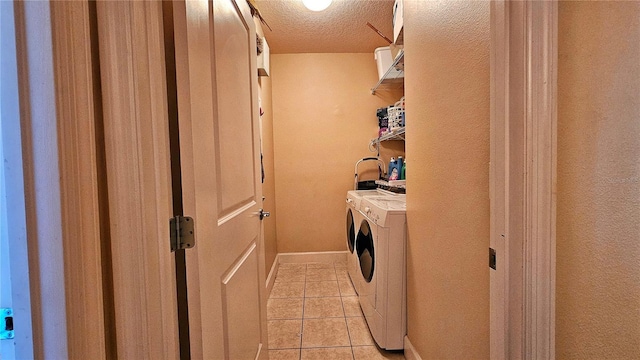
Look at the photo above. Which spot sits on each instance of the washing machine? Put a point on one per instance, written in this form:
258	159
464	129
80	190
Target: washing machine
381	251
353	219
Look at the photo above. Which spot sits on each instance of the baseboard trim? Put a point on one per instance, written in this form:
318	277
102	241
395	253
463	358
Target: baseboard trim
271	278
327	257
410	352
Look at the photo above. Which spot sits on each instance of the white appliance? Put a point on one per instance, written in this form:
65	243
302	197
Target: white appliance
381	250
398	22
353	220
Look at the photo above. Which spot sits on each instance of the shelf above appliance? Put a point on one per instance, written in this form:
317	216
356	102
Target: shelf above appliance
388	78
397	134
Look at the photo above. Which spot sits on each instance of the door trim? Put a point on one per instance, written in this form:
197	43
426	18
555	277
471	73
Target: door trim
523	178
541	179
14	168
61	191
78	115
136	133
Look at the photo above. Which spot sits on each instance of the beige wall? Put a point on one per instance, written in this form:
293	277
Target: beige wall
447	94
598	227
323	120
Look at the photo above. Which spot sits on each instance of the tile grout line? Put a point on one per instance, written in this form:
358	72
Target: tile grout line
289	297
304	303
353	355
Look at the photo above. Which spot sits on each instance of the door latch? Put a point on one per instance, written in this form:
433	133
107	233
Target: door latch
6	327
492	258
182	233
263	214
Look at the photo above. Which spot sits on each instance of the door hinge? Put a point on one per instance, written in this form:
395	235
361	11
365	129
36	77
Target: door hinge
182	233
6	326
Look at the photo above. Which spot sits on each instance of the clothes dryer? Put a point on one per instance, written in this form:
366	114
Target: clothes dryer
381	251
353	219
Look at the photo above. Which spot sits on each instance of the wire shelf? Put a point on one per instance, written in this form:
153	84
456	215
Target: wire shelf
387	79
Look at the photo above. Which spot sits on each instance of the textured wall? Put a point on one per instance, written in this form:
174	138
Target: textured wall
447	88
323	119
598	227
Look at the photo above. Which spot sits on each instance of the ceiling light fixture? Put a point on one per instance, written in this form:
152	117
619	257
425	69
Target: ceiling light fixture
316	5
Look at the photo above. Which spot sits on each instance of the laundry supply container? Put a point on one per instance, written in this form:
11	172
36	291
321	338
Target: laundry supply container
384	61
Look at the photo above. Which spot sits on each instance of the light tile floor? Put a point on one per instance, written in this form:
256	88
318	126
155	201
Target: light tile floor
313	313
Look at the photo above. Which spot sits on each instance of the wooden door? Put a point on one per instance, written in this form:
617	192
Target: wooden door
217	85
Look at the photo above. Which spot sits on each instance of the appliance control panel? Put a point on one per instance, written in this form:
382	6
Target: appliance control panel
378	210
375	215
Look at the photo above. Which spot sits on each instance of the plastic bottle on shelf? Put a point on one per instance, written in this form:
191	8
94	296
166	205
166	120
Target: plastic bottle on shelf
395	175
392	165
403	173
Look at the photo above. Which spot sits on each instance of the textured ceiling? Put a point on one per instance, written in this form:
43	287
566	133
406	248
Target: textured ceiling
341	28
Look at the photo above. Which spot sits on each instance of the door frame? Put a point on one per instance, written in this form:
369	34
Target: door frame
70	221
19	292
84	297
523	178
62	230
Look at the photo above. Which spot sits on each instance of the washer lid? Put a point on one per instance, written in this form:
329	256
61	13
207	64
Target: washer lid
354	197
387	204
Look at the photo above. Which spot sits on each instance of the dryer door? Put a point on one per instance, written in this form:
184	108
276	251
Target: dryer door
366	253
351	231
